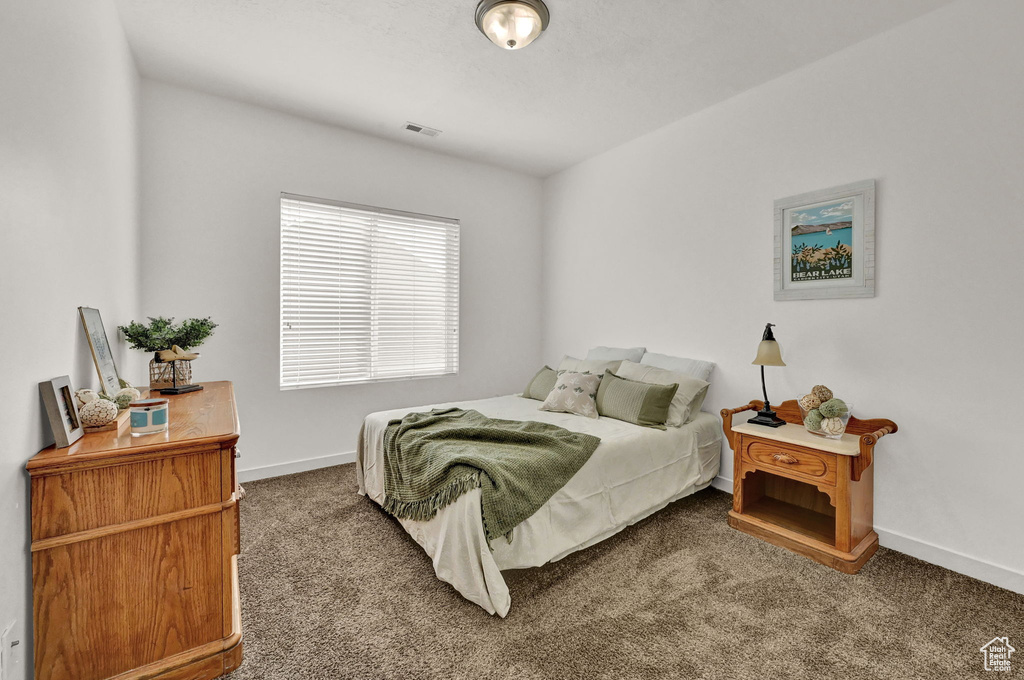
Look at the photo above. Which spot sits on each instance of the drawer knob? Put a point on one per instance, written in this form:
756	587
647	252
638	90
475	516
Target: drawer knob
784	458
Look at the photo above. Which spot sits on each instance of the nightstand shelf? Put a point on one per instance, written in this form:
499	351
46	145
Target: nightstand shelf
806	493
814	525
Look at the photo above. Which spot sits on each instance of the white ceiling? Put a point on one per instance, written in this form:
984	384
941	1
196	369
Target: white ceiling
605	71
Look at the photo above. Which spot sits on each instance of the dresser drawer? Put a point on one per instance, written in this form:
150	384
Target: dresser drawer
102	496
792	462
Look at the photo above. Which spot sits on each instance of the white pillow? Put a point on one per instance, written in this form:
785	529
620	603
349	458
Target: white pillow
593	367
574	393
695	367
616	354
688	398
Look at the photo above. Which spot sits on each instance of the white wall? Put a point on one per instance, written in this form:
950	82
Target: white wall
212	173
68	216
676	229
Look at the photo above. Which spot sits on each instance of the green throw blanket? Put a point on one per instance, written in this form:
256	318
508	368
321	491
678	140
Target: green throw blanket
433	458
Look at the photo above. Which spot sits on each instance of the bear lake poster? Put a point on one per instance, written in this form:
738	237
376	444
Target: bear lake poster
824	243
821	242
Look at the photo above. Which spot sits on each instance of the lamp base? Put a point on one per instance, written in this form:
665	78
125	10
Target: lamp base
181	389
767	418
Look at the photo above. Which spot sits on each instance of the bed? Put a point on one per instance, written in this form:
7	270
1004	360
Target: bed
634	472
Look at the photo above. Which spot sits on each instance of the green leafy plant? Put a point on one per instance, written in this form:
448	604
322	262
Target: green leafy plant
162	333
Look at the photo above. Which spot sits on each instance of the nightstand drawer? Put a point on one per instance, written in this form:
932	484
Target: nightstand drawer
792	462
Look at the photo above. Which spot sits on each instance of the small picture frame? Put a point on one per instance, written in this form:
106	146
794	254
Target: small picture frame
825	243
110	381
61	410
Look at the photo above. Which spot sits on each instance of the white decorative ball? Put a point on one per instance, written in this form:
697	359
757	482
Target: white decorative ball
810	402
133	393
85	395
98	412
833	426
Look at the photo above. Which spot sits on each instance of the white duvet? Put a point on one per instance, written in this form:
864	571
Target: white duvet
633	473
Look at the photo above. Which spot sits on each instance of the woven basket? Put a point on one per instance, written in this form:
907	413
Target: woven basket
160	375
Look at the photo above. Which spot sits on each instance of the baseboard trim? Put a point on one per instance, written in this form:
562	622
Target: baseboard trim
291	467
996	574
983	570
722	484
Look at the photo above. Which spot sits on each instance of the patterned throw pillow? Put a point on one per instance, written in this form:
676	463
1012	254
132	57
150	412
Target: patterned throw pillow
635	402
573	393
540	385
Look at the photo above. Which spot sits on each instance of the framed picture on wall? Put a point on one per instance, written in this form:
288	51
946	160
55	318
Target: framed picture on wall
61	410
825	243
109	380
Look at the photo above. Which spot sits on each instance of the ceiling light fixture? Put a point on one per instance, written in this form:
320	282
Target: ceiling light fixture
512	24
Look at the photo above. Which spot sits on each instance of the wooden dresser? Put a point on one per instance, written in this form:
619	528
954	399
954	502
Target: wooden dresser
134	545
812	495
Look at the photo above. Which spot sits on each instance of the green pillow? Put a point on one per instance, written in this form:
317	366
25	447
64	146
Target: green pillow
541	385
634	401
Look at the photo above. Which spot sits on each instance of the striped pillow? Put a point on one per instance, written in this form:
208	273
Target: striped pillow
635	402
540	385
689	397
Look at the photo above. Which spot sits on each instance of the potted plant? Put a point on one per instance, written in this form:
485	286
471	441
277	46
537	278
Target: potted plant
165	339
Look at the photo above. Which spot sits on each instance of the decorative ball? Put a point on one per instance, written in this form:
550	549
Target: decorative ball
85	395
834	408
833	426
98	412
821	392
130	391
123	400
809	402
813	420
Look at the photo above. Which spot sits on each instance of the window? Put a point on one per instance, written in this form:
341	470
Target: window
367	294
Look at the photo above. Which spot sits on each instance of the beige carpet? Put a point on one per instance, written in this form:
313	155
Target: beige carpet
334	588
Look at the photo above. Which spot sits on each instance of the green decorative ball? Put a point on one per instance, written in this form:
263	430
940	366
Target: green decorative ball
834	408
813	420
122	400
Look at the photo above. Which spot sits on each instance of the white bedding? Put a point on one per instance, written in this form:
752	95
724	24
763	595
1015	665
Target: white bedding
633	473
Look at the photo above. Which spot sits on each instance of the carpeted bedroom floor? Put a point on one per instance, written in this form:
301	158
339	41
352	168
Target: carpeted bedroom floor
334	588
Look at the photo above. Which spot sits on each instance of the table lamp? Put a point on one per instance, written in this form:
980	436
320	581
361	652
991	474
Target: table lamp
768	354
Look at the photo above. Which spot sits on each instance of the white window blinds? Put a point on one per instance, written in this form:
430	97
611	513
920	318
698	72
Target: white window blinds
366	294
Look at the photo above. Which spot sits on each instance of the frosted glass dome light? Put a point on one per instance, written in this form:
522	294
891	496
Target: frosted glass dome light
512	24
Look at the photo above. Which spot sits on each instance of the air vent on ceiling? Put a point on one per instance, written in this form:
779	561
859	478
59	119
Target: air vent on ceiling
422	129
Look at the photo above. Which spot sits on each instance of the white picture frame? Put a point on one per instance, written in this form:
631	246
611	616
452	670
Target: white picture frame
61	408
807	265
106	369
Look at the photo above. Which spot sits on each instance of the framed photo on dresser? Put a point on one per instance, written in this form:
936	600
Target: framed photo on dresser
110	381
61	410
825	243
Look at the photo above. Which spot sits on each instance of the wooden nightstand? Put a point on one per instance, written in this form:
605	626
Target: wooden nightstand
806	493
